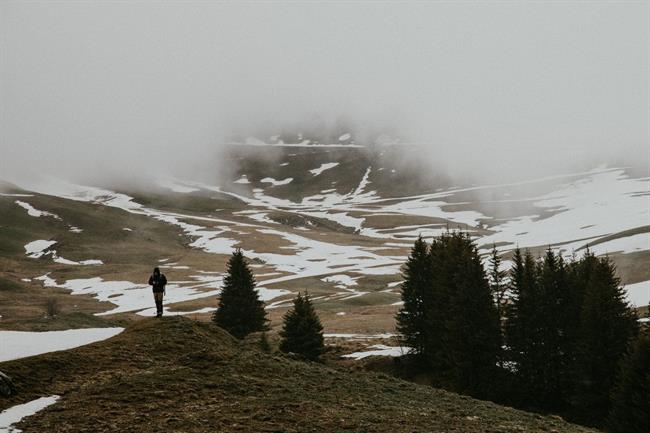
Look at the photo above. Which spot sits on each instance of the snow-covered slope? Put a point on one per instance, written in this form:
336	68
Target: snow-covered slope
346	218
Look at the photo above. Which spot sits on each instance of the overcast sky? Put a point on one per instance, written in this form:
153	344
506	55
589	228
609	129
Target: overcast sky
90	86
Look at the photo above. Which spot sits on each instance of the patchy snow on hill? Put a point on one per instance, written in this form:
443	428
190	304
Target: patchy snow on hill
37	249
91	262
600	204
277	182
242	180
625	245
379	350
638	294
323	167
41	248
341	280
576	212
32	211
175	186
365	180
4	194
252	141
21	344
15	414
360	336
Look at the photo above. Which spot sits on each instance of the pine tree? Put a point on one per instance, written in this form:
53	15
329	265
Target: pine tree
543	361
522	330
513	327
630	411
473	337
498	282
240	310
449	315
607	325
411	318
302	332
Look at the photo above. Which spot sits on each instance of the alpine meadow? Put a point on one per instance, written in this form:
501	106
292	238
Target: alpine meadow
372	217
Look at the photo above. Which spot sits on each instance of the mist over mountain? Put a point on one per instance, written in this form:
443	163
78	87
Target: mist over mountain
499	90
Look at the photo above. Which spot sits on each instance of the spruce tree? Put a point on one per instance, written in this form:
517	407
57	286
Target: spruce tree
513	327
522	330
302	332
607	325
462	336
240	310
630	411
541	364
412	317
498	282
473	337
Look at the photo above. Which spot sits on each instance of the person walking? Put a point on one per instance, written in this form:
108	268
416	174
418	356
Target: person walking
158	282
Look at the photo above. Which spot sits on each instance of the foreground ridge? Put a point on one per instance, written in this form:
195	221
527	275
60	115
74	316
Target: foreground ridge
180	375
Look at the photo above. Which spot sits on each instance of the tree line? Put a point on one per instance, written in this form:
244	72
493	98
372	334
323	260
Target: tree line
551	334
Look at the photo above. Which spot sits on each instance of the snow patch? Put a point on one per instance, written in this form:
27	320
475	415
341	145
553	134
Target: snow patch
341	280
175	186
31	211
243	180
323	167
36	249
379	350
360	336
39	248
277	182
21	344
15	414
638	294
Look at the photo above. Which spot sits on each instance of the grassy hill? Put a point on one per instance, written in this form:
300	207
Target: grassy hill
179	375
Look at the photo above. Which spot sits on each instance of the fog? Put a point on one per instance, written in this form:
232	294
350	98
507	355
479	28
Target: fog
501	90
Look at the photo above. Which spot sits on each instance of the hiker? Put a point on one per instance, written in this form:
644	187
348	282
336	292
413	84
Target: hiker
158	281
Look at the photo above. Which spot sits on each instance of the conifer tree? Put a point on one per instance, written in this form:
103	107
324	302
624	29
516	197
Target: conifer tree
555	347
302	332
473	336
449	314
240	310
630	411
607	325
512	328
412	317
498	282
543	368
462	330
522	331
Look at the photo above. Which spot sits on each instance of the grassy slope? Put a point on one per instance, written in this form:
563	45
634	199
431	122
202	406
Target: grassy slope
127	255
177	375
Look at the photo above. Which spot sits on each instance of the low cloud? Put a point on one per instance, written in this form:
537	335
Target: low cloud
495	90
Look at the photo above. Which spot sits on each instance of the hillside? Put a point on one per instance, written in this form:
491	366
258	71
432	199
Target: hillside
338	220
179	375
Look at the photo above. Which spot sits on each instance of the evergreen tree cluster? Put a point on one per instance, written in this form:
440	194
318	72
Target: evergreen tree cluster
568	327
631	396
241	312
548	335
449	316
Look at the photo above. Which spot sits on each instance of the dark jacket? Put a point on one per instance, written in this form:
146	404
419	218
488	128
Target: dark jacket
158	283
